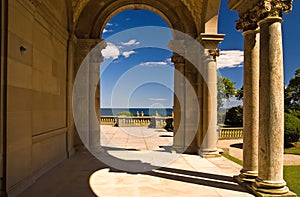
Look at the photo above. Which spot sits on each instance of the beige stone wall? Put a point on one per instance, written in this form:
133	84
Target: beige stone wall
36	88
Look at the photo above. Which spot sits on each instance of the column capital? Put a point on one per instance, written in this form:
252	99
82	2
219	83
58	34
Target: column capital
91	48
177	59
262	10
212	53
211	41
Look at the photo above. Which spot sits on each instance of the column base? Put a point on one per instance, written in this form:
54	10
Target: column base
185	150
178	149
268	188
209	153
247	179
247	176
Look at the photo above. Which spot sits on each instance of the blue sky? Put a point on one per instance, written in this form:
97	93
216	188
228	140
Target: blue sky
138	76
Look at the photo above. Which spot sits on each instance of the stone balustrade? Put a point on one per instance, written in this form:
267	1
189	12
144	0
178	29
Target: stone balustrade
231	133
160	122
125	121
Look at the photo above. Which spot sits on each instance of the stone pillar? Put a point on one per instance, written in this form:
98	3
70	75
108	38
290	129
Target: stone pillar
271	123
251	100
186	101
265	14
210	137
210	129
70	80
271	100
87	71
179	107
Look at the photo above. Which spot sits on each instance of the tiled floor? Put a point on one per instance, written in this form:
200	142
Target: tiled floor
138	138
139	165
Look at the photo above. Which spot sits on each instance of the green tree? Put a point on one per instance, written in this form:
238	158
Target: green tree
292	95
291	128
124	113
240	94
234	117
226	90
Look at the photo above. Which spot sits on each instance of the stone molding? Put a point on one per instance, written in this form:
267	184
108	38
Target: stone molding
262	10
211	41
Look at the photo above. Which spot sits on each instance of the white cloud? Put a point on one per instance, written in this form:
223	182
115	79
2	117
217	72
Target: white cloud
157	99
126	54
153	64
109	24
111	51
231	59
107	30
130	43
169	60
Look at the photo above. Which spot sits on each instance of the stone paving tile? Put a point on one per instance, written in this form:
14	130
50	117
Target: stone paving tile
171	175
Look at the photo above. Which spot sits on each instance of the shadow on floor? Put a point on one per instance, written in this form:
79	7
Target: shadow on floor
237	145
71	177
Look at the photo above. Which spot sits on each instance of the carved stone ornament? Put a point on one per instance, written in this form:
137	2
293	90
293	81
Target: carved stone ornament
178	59
214	53
262	10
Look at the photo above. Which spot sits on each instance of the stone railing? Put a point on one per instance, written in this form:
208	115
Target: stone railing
231	133
107	120
132	121
125	121
157	122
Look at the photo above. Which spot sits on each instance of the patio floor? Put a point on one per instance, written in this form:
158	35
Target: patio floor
138	162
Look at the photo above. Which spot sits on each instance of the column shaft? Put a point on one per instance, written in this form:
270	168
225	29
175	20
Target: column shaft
210	132
251	105
271	121
179	95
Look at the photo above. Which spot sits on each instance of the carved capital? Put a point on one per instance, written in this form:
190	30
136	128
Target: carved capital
273	8
213	53
247	22
177	59
262	10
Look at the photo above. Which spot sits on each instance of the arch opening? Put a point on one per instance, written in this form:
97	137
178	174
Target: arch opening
139	82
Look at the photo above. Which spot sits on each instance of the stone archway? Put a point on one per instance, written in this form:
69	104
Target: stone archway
184	17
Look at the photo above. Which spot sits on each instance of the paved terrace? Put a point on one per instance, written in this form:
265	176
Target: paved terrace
139	149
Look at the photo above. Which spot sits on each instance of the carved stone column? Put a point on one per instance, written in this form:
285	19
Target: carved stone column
251	99
210	129
271	99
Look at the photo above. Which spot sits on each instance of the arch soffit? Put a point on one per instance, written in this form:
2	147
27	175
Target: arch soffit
96	14
210	16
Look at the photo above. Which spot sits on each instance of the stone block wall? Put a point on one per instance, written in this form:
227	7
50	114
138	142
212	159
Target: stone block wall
37	89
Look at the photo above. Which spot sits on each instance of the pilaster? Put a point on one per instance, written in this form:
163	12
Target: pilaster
87	106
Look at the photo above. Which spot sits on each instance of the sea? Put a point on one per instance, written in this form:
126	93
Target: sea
135	111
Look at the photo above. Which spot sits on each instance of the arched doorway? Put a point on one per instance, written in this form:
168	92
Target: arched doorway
90	31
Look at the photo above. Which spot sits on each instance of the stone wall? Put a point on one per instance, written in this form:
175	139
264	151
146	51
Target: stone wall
37	90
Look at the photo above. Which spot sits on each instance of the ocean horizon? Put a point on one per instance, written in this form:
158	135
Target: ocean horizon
135	111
